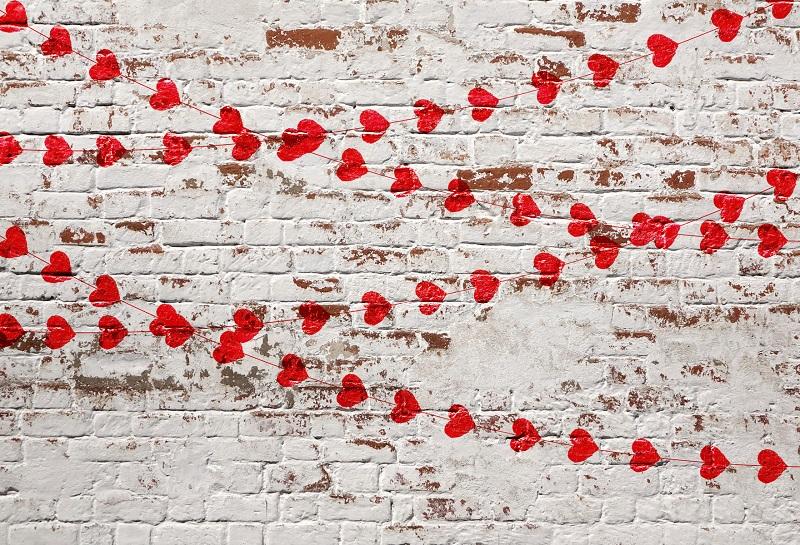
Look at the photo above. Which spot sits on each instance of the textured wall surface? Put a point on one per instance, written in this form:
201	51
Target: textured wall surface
144	444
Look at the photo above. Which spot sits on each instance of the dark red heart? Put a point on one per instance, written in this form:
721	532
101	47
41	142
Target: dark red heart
772	466
644	456
105	293
247	325
377	307
111	332
430	292
730	206
166	95
229	122
604	69
15	244
714	462
548	85
460	196
374	125
660	229
525	435
10	330
714	236
583	446
314	317
584	218
485	284
781	8
58	151
59	333
175	329
58	270
428	115
663	49
352	392
293	371
306	138
605	251
176	149
352	166
9	148
728	24
772	240
525	209
784	182
106	66
405	182
405	407
245	146
484	103
58	44
109	151
229	349
549	267
15	18
460	422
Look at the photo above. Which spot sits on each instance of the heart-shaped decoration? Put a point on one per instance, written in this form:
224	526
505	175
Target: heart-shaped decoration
352	392
166	95
14	244
772	466
660	229
644	456
229	122
663	49
15	18
10	330
293	371
772	240
374	125
58	44
229	349
583	446
714	462
714	236
728	24
524	209
460	422
781	8
111	332
106	66
405	407
460	196
109	151
605	251
584	218
306	138
485	284
547	85
428	115
245	145
247	325
377	307
603	68
484	103
430	293
784	182
58	270
525	435
58	151
549	267
352	166
175	329
59	333
730	206
405	182
314	317
176	149
9	148
105	293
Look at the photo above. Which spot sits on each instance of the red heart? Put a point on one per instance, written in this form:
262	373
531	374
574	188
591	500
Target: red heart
293	371
105	293
176	149
525	435
772	466
714	236
428	115
783	181
583	446
549	267
58	151
772	240
314	317
352	392
59	43
781	8
377	307
428	291
166	95
109	150
15	244
405	182
714	462
9	148
525	208
460	197
486	285
405	407
604	68
229	349
106	66
660	229
460	422
15	18
245	145
548	85
484	102
10	330
306	138
374	124
247	325
59	333
175	329
644	456
111	332
663	49
58	270
605	251
728	24
352	166
585	220
230	121
730	206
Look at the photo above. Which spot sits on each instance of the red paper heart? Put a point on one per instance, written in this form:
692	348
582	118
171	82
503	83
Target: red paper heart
59	333
584	218
604	69
728	24
714	462
784	182
229	349
314	317
484	103
111	332
714	236
583	446
306	138
58	270
772	240
460	196
405	182
781	8
9	148
374	125
377	307
663	49
548	85
166	95
525	209
10	330
247	325
245	145
460	422
15	18
106	66
660	229
352	166
405	407
428	115
15	244
730	206
525	435
352	392
175	329
58	44
549	267
105	293
58	151
229	122
176	149
644	456
293	371
109	151
772	466
430	292
605	251
485	284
